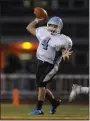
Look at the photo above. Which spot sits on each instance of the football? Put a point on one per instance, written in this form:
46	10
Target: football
40	13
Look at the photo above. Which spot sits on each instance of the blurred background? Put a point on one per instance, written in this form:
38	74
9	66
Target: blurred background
18	47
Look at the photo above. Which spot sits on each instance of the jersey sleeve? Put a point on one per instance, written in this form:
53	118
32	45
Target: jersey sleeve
59	44
64	42
40	33
69	43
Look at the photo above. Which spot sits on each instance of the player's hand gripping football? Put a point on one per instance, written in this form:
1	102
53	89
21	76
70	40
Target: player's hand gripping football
66	54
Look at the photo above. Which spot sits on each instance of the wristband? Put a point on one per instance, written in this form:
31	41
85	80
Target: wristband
36	20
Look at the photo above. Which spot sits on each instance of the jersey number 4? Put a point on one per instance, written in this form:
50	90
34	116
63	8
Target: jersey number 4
45	43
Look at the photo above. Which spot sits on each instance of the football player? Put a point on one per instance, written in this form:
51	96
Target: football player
52	48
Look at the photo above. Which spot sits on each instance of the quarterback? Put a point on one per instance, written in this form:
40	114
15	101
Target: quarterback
52	48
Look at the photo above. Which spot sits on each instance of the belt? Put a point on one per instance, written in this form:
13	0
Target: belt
41	62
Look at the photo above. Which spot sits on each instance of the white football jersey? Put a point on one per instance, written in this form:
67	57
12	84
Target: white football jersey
50	45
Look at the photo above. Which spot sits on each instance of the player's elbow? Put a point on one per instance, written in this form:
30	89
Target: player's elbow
31	30
28	28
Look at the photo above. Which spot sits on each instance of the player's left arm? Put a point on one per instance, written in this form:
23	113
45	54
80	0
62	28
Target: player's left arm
67	52
64	51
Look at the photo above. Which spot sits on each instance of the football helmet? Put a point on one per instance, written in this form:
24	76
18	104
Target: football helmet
54	25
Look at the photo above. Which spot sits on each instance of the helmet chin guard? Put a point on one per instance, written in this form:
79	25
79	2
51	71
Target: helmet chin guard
55	25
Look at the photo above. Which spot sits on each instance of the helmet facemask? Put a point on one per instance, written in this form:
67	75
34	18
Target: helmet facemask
54	27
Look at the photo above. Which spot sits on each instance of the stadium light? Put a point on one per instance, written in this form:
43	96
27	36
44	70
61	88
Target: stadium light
27	45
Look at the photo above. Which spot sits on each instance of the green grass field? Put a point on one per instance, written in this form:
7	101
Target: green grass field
9	111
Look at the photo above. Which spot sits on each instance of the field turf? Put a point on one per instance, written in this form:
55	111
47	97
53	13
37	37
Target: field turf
9	111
